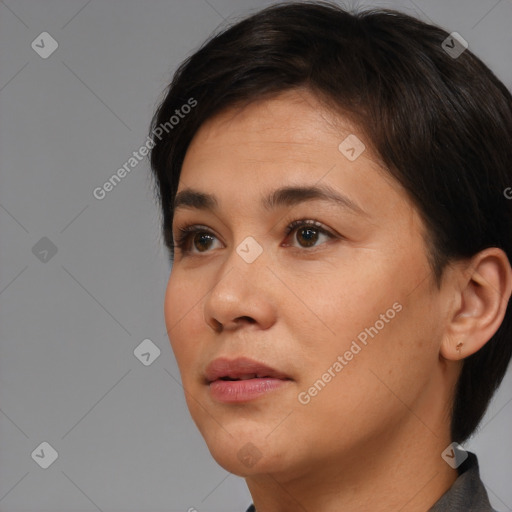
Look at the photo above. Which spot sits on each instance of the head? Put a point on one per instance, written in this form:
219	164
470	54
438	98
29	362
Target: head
406	276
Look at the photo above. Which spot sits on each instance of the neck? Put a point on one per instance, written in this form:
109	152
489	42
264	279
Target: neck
402	472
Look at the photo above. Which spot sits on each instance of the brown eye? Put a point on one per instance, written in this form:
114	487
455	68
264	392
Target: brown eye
308	235
202	241
194	239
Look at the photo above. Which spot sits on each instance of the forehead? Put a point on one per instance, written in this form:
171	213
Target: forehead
243	153
292	123
292	136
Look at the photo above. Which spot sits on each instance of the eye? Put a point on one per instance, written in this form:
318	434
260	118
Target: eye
200	237
307	232
196	239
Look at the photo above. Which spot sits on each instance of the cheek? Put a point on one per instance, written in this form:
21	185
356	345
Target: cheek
381	321
183	319
378	378
337	304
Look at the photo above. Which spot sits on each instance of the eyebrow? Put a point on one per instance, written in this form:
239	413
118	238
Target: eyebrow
284	196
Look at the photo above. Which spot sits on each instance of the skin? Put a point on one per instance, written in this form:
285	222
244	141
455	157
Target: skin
372	438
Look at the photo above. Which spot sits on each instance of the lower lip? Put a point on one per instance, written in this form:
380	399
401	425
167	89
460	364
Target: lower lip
230	391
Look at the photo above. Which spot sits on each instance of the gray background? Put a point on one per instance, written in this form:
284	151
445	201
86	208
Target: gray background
70	324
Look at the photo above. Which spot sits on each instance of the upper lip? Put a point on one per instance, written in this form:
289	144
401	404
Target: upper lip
238	368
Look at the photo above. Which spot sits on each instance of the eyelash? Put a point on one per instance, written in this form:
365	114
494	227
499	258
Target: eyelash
187	231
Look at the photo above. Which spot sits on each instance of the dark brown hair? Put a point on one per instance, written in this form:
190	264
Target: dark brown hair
442	124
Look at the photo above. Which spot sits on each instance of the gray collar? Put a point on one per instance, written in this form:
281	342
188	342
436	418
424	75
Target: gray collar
467	494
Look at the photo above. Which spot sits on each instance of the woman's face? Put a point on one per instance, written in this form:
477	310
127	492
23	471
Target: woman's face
345	312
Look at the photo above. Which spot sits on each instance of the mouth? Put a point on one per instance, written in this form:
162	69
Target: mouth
242	379
241	368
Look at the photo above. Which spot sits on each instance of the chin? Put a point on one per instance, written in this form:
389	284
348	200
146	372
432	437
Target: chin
244	452
247	460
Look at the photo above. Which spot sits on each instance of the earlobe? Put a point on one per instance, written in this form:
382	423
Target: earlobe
484	287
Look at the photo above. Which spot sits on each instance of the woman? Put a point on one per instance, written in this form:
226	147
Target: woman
333	189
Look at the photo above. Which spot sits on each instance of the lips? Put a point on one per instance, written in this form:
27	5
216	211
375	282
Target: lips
242	380
241	368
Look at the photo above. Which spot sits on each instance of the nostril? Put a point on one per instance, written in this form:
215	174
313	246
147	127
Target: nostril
215	325
247	318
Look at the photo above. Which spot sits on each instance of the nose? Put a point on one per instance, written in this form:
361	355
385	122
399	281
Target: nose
244	294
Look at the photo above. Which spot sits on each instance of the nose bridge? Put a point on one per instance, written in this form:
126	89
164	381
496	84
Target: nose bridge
244	269
240	290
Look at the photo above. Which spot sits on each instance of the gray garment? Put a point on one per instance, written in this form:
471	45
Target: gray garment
467	494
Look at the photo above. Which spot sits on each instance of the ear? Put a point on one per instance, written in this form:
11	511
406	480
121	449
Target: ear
483	290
